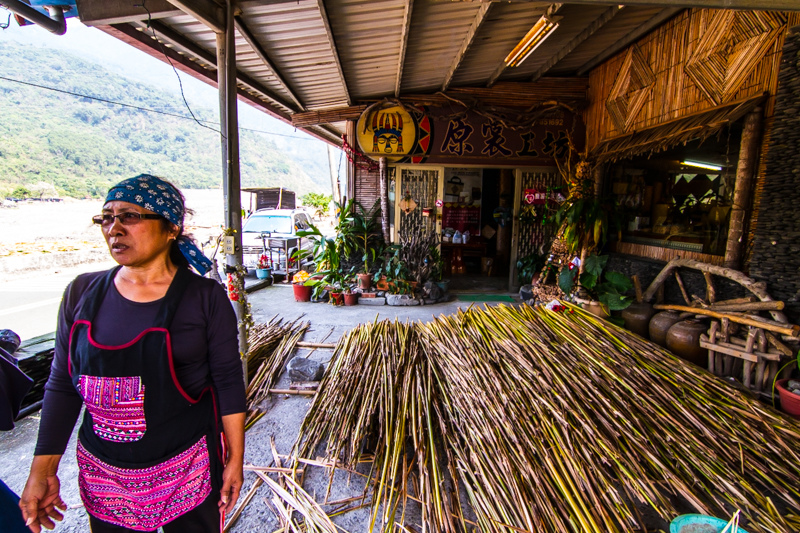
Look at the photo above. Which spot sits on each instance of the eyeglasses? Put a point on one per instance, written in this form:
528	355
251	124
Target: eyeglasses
128	218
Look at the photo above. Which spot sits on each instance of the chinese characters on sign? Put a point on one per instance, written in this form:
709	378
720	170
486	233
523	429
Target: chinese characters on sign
472	136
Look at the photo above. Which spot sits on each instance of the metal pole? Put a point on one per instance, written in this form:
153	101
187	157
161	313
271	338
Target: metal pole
55	23
226	81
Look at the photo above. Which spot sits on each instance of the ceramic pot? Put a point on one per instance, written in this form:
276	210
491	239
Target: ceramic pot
364	281
337	298
263	273
660	324
637	318
302	293
683	339
596	308
351	298
790	402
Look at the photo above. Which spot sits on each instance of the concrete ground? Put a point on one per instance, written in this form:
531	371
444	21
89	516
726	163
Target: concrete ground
282	421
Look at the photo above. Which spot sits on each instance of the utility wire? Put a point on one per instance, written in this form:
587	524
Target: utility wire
180	83
184	117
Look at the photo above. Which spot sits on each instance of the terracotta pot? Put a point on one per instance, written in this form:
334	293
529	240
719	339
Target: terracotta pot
364	281
596	308
637	318
302	293
683	339
337	298
351	298
382	284
660	324
790	402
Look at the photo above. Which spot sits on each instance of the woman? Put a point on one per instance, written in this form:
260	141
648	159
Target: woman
150	349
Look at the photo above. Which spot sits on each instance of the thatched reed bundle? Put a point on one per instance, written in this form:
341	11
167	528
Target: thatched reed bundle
546	421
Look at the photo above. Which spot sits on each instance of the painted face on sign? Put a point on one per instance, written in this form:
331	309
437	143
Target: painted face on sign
387	133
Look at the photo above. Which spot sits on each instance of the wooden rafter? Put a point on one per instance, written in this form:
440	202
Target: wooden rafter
103	12
334	51
662	16
176	39
262	54
206	11
598	23
403	46
480	16
755	5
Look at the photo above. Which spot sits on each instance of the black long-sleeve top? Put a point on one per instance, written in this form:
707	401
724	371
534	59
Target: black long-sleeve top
204	343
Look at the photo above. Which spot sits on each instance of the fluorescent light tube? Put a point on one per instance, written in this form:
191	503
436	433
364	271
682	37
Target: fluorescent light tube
700	164
540	31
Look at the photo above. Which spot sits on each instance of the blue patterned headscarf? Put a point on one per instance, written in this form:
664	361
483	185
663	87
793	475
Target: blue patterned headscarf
160	197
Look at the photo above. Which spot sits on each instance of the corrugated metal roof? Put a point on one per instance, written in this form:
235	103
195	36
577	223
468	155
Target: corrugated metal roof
329	54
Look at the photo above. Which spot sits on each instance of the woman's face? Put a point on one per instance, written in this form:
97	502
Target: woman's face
140	244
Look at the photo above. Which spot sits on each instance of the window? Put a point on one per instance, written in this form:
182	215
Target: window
269	224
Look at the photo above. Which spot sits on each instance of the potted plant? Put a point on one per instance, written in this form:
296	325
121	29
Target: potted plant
604	290
302	286
364	224
350	297
263	267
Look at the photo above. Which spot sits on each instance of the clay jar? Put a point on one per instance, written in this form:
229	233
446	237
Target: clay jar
683	339
660	324
637	317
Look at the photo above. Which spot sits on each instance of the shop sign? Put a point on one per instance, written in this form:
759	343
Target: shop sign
401	134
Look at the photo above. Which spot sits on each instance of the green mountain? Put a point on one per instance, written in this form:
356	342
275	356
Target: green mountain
82	146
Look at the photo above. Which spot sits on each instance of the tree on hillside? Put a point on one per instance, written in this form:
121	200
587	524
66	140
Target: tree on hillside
320	202
43	189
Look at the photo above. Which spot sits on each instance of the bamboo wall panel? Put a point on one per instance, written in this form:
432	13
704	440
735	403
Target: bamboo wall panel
674	94
367	186
663	254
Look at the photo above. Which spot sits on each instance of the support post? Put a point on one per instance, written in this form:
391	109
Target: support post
383	185
231	183
745	171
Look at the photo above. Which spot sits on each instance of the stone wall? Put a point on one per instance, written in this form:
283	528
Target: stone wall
776	248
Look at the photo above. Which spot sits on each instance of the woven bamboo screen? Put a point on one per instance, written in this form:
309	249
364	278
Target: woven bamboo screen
698	59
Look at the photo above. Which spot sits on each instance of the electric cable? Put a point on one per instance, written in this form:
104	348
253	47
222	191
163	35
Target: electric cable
145	109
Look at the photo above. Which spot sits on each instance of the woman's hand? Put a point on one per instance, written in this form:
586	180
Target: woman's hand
233	475
41	500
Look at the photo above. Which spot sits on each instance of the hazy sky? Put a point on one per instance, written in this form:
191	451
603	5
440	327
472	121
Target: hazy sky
127	61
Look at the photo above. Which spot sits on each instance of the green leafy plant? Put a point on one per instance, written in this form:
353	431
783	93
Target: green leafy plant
584	223
393	267
528	266
608	288
364	226
318	202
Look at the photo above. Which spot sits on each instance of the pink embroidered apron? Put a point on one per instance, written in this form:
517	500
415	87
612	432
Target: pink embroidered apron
147	451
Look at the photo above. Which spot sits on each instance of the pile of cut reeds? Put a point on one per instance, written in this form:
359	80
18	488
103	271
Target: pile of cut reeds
271	346
547	421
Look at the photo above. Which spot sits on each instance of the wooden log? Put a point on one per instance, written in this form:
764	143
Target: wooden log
781	347
712	336
734	301
637	286
683	288
759	289
303	344
745	171
750	306
711	293
295	392
789	329
384	198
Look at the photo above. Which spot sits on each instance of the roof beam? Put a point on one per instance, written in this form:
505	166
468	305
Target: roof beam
206	11
403	46
324	14
262	54
598	23
480	16
662	16
102	12
757	5
176	39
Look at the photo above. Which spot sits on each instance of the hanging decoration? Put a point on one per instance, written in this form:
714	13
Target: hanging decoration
407	204
355	156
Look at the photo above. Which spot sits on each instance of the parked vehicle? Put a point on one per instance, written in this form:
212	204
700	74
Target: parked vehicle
274	232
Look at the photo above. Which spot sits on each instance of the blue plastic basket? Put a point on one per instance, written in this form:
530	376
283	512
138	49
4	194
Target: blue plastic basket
698	523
